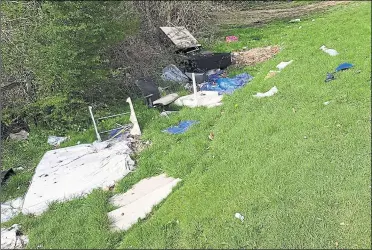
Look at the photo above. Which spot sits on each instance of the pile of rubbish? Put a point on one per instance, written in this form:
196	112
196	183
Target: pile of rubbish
253	56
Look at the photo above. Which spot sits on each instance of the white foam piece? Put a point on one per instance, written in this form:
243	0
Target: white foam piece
137	202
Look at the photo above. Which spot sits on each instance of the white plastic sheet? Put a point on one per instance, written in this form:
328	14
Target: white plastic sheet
204	99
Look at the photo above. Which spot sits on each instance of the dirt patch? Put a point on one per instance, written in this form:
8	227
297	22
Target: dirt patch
255	55
258	16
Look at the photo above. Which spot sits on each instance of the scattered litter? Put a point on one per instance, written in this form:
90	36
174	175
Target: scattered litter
181	128
211	136
66	173
207	99
167	112
271	73
6	174
327	102
329	77
78	143
343	224
300	27
230	39
271	92
331	52
255	55
172	73
313	20
137	202
239	216
19	168
282	65
12	238
225	85
305	137
20	136
295	20
344	66
56	140
133	119
10	209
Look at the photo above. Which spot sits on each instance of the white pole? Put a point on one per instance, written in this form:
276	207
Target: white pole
94	124
195	90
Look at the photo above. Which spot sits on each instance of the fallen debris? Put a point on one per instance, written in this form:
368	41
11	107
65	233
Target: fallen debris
66	173
329	77
137	202
344	66
282	65
225	85
331	52
6	174
230	39
20	136
271	73
239	216
166	113
10	209
271	92
12	238
253	56
295	20
172	73
327	102
56	140
203	99
181	128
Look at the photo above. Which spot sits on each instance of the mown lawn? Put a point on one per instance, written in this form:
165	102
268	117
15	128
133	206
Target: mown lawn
298	170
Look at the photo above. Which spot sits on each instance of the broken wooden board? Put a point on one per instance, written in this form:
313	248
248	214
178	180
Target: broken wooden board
180	37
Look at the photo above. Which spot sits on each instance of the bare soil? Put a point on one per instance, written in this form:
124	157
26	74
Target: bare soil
255	17
254	56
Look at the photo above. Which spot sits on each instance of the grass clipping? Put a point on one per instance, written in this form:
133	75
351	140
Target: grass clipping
254	56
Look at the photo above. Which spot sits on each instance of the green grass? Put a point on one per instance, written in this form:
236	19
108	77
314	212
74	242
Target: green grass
294	192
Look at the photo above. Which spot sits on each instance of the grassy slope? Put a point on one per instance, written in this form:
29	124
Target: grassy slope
293	192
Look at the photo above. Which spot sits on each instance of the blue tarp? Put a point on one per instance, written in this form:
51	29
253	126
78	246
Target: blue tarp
344	66
225	85
181	128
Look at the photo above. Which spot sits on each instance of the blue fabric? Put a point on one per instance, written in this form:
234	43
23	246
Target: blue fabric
344	66
225	85
181	128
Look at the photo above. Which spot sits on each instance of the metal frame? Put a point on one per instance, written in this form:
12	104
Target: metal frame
95	121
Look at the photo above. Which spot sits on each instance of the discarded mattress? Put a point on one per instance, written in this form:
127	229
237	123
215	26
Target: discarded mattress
180	37
65	173
203	99
181	128
225	85
137	202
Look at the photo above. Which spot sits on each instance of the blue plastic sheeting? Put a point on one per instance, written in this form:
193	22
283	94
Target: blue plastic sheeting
225	85
181	128
344	66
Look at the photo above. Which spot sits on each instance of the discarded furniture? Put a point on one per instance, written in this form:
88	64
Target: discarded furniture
152	95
